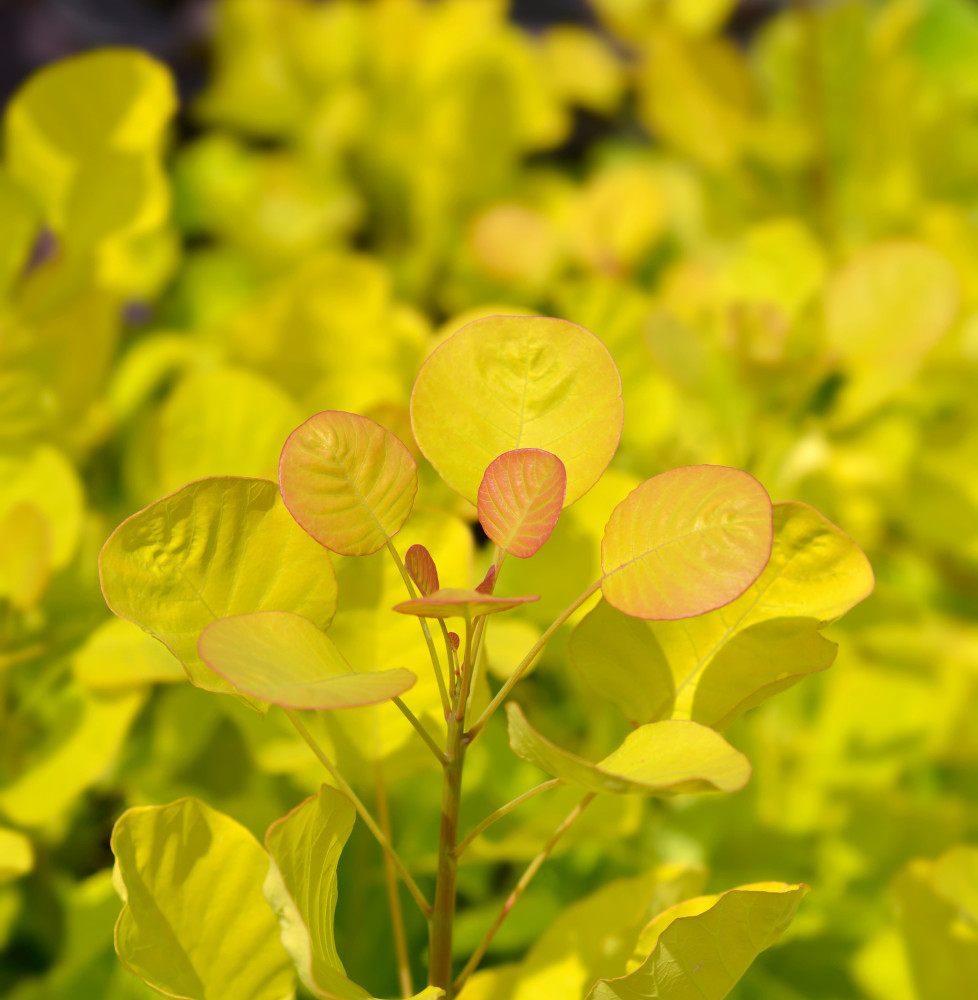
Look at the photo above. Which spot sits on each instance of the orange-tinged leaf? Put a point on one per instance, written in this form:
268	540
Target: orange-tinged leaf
520	498
348	481
488	584
459	602
686	542
508	382
422	568
284	659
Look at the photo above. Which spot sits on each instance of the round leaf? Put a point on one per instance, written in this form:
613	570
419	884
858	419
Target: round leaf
520	499
348	481
456	602
662	758
214	548
509	382
195	924
686	542
284	659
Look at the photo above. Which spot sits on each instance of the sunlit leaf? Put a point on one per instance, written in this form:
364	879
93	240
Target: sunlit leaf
120	654
215	548
80	754
457	602
686	542
816	573
422	568
662	758
699	949
508	382
16	854
18	227
284	659
348	481
884	312
25	555
520	499
168	860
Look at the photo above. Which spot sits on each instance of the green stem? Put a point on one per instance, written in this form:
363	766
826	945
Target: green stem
406	577
443	915
393	897
520	888
420	729
372	826
517	674
503	811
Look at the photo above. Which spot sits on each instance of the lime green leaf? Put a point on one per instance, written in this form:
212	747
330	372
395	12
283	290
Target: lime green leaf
939	929
16	854
457	602
672	757
686	542
422	568
284	659
120	654
194	923
348	481
510	382
520	498
815	574
71	154
81	754
883	313
215	548
619	658
763	659
699	949
25	555
18	227
305	849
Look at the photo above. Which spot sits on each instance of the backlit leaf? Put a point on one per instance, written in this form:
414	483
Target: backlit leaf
763	642
699	949
457	602
511	382
120	654
422	568
215	548
686	542
520	499
194	923
25	555
662	758
348	481
285	659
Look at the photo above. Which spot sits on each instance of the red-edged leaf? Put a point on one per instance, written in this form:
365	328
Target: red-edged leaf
455	640
520	499
454	602
422	569
488	584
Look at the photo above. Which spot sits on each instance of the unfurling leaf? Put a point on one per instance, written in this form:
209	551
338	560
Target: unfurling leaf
520	498
194	923
488	584
511	382
686	542
215	548
348	481
456	602
422	568
663	758
699	949
284	659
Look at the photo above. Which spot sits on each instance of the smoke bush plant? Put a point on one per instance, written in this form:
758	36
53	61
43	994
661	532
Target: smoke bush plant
711	600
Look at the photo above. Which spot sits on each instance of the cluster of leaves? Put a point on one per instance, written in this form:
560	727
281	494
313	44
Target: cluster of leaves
777	245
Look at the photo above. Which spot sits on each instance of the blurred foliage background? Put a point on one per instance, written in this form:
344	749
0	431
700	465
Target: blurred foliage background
768	212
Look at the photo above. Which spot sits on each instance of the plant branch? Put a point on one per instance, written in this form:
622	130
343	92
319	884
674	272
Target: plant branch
520	888
501	812
372	826
422	732
412	593
393	897
517	674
